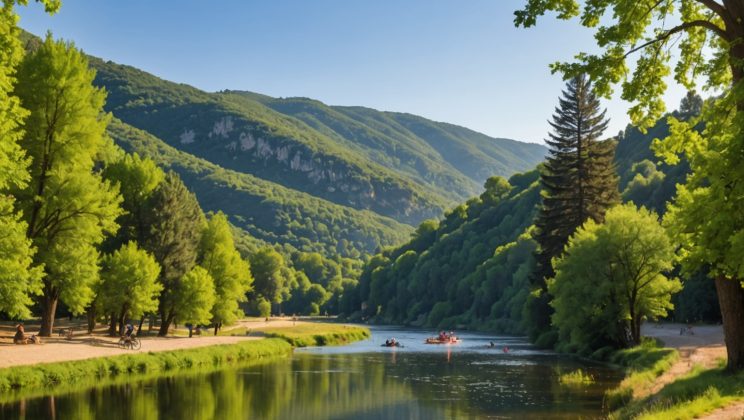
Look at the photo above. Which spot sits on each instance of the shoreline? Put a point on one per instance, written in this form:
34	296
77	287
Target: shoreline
92	368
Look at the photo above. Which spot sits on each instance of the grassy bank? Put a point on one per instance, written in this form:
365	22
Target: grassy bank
104	369
643	365
689	396
311	334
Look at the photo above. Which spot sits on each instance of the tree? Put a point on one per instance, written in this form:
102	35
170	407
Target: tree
192	302
129	284
18	278
578	180
67	206
266	265
231	274
610	279
137	179
707	219
176	222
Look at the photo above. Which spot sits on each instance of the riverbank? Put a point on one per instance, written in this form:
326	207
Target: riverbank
95	359
684	380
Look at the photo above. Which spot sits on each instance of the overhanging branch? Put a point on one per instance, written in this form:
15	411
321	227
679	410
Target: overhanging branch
679	28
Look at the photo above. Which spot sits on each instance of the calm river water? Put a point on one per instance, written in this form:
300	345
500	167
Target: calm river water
359	381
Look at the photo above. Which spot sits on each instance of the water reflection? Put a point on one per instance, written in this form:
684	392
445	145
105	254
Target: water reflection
361	383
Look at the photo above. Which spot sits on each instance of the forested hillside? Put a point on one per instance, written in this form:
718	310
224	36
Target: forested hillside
472	269
268	212
324	152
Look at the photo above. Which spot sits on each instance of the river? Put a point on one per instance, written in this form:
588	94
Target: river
358	381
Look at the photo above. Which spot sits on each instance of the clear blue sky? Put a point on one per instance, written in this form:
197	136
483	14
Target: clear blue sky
461	62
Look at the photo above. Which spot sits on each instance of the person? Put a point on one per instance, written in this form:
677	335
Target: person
393	342
129	330
506	349
20	336
492	344
387	342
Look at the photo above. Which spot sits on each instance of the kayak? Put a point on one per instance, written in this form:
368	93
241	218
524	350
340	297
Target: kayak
437	340
392	345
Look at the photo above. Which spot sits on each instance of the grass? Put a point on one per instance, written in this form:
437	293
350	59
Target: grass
316	334
49	376
644	363
700	391
576	378
21	381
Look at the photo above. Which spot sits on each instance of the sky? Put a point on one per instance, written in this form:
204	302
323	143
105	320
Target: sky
454	61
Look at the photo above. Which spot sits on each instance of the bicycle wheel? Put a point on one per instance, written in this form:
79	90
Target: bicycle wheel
136	344
122	343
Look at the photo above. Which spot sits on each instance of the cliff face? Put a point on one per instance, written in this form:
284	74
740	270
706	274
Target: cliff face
354	157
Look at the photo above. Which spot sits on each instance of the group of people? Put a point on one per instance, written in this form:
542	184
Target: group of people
443	336
20	336
392	342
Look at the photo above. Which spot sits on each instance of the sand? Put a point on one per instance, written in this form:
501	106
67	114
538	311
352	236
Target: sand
84	346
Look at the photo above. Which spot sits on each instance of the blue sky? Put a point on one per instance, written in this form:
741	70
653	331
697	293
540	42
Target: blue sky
454	61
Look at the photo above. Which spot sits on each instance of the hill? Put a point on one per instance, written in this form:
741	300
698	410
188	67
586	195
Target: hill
267	211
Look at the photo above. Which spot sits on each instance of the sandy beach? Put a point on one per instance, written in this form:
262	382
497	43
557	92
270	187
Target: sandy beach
98	344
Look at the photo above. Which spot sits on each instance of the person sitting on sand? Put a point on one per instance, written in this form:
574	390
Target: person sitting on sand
20	336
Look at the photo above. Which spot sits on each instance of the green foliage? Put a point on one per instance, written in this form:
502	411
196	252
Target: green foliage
67	206
610	279
578	180
137	179
194	298
312	334
129	286
269	212
175	226
576	378
459	266
96	371
269	279
231	274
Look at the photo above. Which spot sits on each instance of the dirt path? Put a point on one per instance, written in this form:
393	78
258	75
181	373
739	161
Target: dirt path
57	349
705	347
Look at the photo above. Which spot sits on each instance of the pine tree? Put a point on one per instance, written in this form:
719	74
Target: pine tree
578	180
176	222
67	206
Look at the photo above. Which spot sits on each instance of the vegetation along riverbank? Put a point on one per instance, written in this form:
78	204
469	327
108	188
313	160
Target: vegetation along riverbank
98	370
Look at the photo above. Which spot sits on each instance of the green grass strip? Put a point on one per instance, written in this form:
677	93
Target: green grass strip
305	335
105	369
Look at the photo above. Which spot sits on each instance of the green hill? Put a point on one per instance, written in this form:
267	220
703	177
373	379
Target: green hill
472	269
267	211
355	157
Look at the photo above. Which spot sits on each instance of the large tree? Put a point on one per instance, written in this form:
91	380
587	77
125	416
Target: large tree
137	179
231	274
67	205
18	278
709	37
610	278
578	180
175	223
129	284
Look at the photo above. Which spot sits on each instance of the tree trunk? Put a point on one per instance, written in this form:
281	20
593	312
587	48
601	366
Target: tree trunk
112	325
165	323
91	316
731	300
217	326
142	320
121	323
48	311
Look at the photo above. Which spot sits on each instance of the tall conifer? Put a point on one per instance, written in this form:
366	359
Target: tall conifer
579	182
176	222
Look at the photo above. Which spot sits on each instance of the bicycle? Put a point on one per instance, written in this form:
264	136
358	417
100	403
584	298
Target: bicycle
130	343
